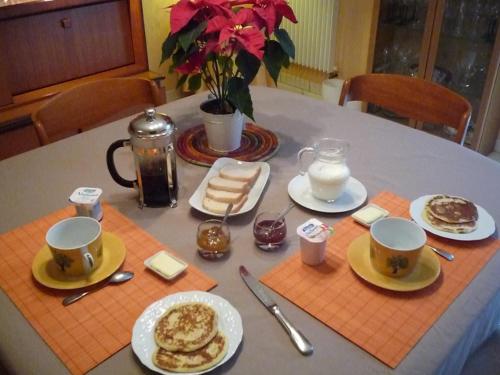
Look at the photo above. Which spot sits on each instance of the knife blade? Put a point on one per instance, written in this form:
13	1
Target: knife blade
299	340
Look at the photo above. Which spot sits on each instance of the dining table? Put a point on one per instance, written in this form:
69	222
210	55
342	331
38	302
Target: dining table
383	155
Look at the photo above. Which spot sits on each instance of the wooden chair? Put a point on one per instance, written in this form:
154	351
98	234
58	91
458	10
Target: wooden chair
93	104
413	98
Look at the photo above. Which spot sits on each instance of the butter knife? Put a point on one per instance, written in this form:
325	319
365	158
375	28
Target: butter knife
298	339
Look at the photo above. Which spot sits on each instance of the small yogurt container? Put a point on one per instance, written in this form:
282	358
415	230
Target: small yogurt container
313	235
87	202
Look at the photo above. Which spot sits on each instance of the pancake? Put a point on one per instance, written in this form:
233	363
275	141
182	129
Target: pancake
453	210
460	228
197	360
186	327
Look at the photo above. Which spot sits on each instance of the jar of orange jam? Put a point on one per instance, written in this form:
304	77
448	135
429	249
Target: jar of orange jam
213	239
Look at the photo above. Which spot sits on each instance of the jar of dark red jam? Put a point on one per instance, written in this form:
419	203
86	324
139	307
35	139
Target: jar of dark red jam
268	232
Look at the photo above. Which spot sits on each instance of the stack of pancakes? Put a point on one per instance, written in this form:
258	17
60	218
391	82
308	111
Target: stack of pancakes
451	214
188	338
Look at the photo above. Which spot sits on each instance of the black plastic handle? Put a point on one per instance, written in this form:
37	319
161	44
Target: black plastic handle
111	163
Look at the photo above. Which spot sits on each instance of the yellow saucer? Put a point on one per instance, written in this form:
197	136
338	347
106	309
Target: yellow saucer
425	273
46	271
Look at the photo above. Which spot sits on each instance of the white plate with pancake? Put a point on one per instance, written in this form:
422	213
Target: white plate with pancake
143	342
485	223
196	200
353	196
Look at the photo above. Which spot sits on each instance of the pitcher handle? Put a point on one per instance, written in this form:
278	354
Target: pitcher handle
111	163
302	151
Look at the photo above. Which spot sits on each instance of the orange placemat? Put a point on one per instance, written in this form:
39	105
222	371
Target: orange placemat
384	323
87	332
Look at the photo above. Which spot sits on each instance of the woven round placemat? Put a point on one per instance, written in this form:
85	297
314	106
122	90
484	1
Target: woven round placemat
257	144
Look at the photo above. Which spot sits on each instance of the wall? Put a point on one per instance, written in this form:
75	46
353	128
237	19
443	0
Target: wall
157	25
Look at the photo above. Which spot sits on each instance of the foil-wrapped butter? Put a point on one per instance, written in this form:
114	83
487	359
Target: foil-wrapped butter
165	265
369	214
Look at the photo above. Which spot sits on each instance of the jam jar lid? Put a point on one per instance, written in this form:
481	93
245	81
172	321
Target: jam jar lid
151	124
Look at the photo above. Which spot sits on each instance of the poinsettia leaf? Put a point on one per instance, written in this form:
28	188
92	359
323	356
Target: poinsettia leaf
239	96
194	82
168	47
182	80
286	62
248	65
274	59
179	57
189	36
286	42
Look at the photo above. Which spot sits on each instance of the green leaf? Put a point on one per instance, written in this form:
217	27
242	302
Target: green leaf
168	47
248	65
179	58
239	96
181	80
195	82
274	59
188	37
286	42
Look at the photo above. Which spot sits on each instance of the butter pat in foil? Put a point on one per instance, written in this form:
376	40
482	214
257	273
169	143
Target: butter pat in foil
165	265
369	214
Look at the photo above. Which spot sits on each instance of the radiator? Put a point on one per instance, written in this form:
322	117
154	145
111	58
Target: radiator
314	34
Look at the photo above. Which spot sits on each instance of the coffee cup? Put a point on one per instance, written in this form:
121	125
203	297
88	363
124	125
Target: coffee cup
76	245
395	246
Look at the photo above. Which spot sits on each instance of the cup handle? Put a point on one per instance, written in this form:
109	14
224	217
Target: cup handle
88	260
302	151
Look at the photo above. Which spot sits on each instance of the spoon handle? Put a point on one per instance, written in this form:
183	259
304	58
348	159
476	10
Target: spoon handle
75	297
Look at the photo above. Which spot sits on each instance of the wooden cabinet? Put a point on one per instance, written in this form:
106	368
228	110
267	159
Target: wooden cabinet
47	47
453	42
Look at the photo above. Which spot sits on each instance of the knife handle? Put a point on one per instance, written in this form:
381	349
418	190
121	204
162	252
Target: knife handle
298	339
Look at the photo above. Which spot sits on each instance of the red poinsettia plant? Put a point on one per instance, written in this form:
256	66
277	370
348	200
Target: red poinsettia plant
224	42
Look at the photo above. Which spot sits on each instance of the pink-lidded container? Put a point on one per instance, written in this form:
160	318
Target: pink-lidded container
87	201
313	236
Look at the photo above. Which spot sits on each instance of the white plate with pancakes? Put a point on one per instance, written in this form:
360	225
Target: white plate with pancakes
485	225
251	196
143	341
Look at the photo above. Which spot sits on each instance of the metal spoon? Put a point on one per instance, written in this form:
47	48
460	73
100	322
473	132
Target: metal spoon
116	278
226	215
445	254
280	217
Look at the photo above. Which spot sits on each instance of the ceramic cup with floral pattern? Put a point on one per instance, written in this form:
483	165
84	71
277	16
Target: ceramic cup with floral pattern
395	246
76	245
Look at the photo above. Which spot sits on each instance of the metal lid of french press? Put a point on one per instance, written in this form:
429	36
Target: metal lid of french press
151	124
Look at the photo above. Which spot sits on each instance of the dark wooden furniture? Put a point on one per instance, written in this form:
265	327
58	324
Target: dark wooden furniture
413	98
92	104
50	47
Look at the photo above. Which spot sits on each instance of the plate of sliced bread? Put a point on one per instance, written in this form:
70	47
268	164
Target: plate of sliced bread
230	181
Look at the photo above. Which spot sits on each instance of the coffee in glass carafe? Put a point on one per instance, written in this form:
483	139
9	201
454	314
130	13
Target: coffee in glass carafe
152	139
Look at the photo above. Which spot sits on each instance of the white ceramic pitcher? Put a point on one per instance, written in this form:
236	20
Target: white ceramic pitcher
328	172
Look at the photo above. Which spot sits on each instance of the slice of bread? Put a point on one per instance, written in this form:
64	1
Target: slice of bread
247	173
223	196
224	184
220	207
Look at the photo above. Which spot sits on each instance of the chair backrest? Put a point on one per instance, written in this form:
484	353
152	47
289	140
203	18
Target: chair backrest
92	104
410	97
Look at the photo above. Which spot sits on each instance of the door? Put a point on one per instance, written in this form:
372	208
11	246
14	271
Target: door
463	50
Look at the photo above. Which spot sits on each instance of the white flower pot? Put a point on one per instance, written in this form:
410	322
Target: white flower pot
223	131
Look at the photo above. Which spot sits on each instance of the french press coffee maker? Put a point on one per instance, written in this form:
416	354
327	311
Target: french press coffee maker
152	138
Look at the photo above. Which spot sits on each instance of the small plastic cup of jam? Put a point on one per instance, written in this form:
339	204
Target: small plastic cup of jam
269	234
213	239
